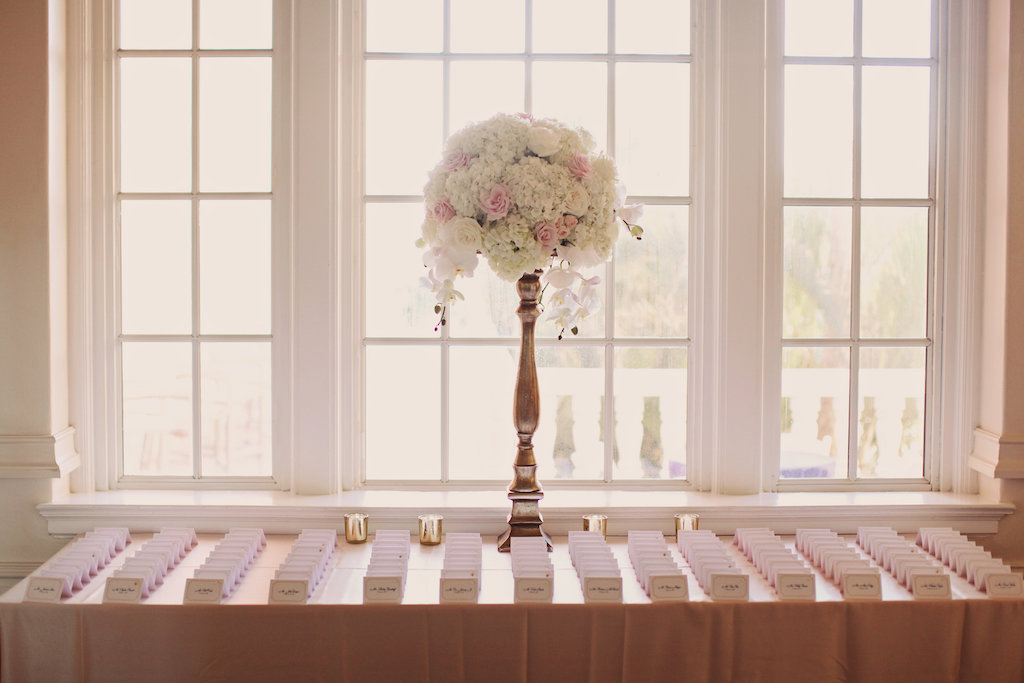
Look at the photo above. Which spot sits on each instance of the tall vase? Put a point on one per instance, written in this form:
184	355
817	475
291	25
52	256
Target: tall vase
524	491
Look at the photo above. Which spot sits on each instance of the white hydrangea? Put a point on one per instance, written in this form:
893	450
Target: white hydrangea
528	195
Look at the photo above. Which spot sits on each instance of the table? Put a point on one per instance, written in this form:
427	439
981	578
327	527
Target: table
969	638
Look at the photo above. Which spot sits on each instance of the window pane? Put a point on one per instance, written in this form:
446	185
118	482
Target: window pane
584	104
818	143
890	437
897	29
651	282
894	272
397	305
895	131
403	25
652	26
156	267
652	133
483	436
234	124
156	125
236	24
403	415
156	392
402	142
815	412
234	266
650	413
819	28
816	280
236	406
148	25
474	97
570	26
568	443
488	26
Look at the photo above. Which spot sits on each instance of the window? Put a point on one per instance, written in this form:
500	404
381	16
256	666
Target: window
193	239
785	323
432	67
859	84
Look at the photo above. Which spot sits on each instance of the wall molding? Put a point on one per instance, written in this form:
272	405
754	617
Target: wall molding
1000	456
42	456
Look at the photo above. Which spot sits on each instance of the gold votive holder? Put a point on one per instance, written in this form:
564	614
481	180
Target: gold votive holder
687	521
596	523
355	527
430	529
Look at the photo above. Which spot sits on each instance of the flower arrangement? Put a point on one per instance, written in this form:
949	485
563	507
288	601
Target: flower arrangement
528	195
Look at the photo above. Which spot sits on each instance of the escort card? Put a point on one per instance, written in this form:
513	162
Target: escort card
534	589
795	586
460	590
1004	586
45	589
123	589
602	589
725	586
203	591
288	592
861	585
668	588
382	589
931	586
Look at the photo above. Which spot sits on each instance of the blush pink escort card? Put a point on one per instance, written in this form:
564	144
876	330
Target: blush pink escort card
384	581
596	567
297	578
532	571
661	578
76	565
461	572
716	572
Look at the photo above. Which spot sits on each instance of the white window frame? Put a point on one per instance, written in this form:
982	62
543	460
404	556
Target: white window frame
733	364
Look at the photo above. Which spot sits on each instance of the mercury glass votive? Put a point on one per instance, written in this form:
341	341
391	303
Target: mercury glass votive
687	521
596	523
430	529
355	527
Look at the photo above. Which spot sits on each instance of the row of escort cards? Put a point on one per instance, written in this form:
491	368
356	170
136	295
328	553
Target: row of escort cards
757	564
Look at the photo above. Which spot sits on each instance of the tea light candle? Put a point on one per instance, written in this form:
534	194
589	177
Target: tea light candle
687	522
430	529
355	527
596	523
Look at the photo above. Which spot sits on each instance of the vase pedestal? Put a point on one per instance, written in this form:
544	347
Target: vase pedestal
524	491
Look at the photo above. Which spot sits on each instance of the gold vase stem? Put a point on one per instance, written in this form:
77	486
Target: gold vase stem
524	491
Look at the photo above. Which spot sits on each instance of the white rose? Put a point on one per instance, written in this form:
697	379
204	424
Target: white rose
576	202
543	141
463	233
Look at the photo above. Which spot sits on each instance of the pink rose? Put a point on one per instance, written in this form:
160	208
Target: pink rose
497	203
442	211
454	161
580	166
570	221
546	233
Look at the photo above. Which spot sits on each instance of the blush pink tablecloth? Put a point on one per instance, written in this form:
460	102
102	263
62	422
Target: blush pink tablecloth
962	640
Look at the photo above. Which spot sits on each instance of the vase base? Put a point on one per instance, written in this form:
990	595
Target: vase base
521	530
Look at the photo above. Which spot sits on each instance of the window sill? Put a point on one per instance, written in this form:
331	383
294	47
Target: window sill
485	511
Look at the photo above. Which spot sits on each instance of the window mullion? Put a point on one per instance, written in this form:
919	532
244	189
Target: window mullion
197	408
